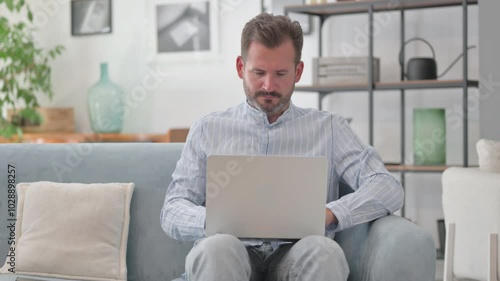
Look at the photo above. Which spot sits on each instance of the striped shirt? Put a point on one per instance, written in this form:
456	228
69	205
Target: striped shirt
244	130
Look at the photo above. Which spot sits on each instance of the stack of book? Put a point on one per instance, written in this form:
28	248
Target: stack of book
335	70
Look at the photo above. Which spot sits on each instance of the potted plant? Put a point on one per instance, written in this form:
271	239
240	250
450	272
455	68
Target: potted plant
24	69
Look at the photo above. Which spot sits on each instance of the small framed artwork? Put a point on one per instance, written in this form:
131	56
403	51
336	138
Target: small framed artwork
90	17
185	29
277	7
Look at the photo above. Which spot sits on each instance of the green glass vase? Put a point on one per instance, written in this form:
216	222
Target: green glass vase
429	136
105	104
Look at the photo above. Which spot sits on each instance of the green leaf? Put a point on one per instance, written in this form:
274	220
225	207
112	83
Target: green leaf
10	5
7	130
30	116
4	20
30	15
19	5
19	133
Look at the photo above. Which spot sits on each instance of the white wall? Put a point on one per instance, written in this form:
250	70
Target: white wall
78	68
193	89
186	90
490	70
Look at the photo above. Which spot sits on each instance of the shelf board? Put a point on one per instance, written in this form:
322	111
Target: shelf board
356	7
333	88
425	84
415	169
403	85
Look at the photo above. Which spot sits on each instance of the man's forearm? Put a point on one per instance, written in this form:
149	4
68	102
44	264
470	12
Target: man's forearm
182	220
363	206
330	217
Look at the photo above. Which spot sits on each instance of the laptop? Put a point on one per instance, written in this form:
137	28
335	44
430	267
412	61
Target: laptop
266	197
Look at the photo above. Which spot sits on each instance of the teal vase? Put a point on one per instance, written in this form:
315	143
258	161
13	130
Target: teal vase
105	104
429	136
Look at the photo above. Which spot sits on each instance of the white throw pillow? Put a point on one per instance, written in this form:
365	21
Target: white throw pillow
72	230
488	152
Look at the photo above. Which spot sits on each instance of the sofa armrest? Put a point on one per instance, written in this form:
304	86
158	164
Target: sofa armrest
388	249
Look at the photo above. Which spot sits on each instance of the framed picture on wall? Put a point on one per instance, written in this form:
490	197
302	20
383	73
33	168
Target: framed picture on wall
277	7
90	17
185	29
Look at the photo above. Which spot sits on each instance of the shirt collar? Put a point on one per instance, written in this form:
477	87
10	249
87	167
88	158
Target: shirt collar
261	117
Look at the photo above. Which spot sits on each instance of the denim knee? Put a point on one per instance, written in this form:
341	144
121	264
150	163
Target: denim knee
219	242
217	257
318	243
320	251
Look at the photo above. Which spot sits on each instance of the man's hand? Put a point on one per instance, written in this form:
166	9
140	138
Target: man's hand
330	217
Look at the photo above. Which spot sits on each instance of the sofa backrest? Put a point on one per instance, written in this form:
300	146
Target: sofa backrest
151	255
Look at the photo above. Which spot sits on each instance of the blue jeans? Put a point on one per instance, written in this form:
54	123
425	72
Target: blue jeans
223	257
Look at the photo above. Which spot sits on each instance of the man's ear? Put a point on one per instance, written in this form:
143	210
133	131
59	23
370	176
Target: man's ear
239	66
298	71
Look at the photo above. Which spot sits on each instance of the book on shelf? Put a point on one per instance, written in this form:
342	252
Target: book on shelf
331	70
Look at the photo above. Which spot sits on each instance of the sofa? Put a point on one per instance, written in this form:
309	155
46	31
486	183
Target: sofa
388	249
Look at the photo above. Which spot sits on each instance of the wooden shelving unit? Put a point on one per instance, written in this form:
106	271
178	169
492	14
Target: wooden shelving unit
370	7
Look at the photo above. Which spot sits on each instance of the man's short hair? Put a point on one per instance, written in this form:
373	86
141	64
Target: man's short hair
271	31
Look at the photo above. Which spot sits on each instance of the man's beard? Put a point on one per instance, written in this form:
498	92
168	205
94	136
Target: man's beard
267	108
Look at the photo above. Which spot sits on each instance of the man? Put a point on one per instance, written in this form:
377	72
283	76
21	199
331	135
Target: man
269	124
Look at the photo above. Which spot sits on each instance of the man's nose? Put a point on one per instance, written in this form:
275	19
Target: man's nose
269	84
